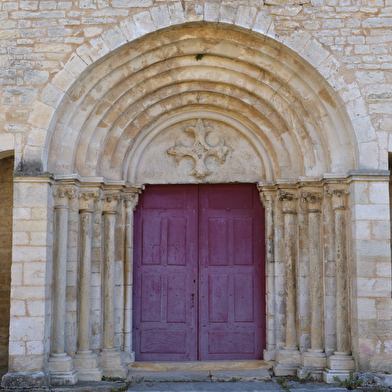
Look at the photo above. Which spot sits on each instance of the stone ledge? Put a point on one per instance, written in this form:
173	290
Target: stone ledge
24	380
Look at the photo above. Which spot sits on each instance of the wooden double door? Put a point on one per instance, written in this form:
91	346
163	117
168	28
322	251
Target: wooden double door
199	273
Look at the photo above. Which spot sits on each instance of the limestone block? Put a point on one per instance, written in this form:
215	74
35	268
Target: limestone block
366	308
371	211
160	16
24	380
297	40
211	12
87	54
246	16
63	80
227	13
114	38
75	65
373	287
144	22
379	192
41	115
177	13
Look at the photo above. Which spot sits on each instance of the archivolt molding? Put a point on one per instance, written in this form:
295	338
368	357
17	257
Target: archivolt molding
290	109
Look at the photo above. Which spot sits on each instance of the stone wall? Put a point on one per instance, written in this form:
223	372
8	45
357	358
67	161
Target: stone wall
6	202
38	38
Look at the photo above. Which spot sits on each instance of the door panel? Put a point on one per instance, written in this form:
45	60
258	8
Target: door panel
199	273
231	271
165	274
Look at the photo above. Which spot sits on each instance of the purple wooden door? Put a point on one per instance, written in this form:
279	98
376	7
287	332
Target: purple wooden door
165	274
199	273
231	271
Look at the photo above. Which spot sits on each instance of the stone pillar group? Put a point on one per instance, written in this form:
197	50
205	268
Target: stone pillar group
90	362
303	349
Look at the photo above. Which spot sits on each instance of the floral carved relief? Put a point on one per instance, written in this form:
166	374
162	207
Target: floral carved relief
201	149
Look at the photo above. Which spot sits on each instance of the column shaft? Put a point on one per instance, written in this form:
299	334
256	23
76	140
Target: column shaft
316	281
85	282
59	281
342	329
108	280
130	205
291	302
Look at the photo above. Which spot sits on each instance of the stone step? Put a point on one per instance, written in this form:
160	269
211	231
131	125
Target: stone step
199	365
199	375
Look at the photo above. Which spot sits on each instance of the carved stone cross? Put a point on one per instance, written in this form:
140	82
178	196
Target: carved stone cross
200	150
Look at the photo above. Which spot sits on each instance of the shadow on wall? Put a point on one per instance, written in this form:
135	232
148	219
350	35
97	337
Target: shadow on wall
6	203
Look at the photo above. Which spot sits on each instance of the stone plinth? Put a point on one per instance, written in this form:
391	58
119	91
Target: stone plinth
338	365
61	370
313	362
87	366
288	361
111	362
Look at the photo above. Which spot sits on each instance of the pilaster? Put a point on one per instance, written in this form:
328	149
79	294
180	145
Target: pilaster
313	361
288	359
86	361
268	197
130	201
60	364
341	363
110	357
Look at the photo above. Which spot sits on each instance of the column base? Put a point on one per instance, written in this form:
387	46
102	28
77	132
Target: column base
112	364
61	370
128	357
269	355
87	366
313	362
288	361
338	365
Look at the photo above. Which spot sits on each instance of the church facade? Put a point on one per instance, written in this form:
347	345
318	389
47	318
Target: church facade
208	175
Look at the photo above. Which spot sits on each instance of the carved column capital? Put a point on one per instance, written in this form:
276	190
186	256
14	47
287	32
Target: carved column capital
267	197
131	200
87	197
338	195
313	200
109	202
61	195
289	200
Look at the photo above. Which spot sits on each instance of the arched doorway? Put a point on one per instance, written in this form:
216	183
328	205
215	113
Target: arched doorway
152	113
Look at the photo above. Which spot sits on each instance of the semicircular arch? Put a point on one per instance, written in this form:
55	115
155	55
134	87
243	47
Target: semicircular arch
275	99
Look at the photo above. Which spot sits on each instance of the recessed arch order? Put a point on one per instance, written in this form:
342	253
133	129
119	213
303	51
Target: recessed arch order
287	111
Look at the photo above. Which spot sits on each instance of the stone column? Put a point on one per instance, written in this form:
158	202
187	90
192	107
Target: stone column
60	364
341	363
267	197
86	361
288	359
313	361
131	200
110	357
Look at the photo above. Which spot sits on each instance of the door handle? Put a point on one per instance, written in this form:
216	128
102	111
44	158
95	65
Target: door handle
192	300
